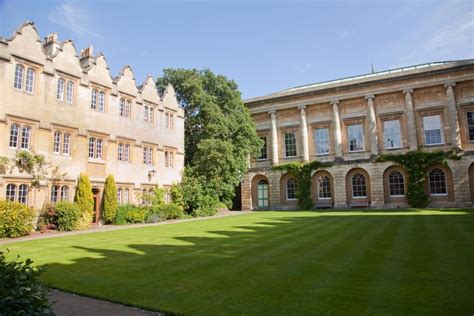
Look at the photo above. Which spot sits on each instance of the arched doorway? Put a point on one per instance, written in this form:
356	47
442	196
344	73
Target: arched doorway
471	181
262	194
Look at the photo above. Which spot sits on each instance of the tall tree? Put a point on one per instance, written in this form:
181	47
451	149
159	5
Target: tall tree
109	200
220	136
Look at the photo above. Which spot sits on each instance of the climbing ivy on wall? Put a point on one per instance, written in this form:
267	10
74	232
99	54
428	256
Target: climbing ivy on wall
302	173
416	164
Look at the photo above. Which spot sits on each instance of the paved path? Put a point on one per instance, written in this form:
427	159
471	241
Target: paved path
104	228
67	304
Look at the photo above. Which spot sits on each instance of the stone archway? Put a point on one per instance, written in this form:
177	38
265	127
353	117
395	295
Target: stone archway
260	192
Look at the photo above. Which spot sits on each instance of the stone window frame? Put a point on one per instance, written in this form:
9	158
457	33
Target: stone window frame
16	186
126	111
169	156
22	123
432	112
26	65
99	90
288	188
285	149
401	140
104	143
316	175
348	187
62	142
150	148
266	136
464	123
315	127
345	139
449	196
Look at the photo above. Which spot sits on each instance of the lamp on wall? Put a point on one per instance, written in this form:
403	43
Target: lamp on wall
151	174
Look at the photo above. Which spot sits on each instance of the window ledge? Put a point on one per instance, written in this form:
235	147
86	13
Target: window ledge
97	161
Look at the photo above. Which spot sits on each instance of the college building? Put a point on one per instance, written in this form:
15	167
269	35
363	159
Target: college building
70	109
350	122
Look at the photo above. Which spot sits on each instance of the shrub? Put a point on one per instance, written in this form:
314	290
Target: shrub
67	215
164	212
195	197
109	200
21	292
85	200
137	215
47	218
84	221
16	219
122	211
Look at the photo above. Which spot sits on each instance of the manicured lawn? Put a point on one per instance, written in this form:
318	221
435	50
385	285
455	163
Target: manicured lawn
266	263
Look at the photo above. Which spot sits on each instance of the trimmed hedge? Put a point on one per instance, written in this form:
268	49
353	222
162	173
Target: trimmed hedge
16	219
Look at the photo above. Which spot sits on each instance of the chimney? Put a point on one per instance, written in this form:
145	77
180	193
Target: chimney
51	44
86	56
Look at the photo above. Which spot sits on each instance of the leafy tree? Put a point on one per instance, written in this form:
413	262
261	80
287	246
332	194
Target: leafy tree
85	200
219	133
109	200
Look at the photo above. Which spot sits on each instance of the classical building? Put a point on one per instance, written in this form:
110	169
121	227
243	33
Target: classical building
350	122
71	110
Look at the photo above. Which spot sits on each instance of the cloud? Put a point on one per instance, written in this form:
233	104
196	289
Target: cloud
74	18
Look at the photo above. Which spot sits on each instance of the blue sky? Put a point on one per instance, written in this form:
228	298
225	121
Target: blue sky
265	46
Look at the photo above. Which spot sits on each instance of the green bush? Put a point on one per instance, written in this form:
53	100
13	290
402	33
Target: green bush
21	292
122	211
137	215
47	218
109	200
164	212
67	215
16	219
85	200
195	196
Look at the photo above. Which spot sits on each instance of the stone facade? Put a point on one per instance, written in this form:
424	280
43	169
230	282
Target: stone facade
83	120
350	122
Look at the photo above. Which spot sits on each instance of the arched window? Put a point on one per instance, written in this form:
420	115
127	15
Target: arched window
69	91
359	186
66	144
290	189
122	107
64	193
119	196
25	137
57	142
98	149
14	131
324	187
94	99
30	80
125	196
438	184
18	81
91	147
23	194
152	116
54	193
101	106
11	192
128	108
60	89
396	184
145	114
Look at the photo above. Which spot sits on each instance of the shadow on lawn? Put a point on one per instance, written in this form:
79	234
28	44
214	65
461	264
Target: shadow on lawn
289	265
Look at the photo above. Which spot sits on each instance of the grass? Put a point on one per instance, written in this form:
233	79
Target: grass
267	263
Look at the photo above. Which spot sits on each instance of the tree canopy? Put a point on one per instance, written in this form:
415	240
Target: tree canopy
220	135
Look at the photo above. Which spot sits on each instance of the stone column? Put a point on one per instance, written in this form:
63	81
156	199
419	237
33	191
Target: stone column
304	132
337	129
412	139
453	115
373	137
274	137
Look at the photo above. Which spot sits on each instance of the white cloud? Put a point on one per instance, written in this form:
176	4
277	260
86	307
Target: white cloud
74	18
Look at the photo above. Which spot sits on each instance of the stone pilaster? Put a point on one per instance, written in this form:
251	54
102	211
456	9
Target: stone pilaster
336	129
304	132
453	115
274	137
412	138
374	141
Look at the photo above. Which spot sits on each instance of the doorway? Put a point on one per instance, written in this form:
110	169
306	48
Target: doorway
96	196
262	194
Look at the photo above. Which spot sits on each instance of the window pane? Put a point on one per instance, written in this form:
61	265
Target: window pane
101	101
54	193
69	91
355	137
120	152
122	107
321	141
25	137
263	151
23	194
94	99
152	116
324	187
98	153
60	89
11	192
437	179
14	130
359	188
128	108
30	80
64	193
57	142
392	135
125	196
290	145
396	184
145	114
432	129
126	154
291	189
66	144
18	80
470	125
91	147
119	196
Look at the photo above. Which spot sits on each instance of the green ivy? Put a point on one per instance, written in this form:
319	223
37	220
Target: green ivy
416	164
302	173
